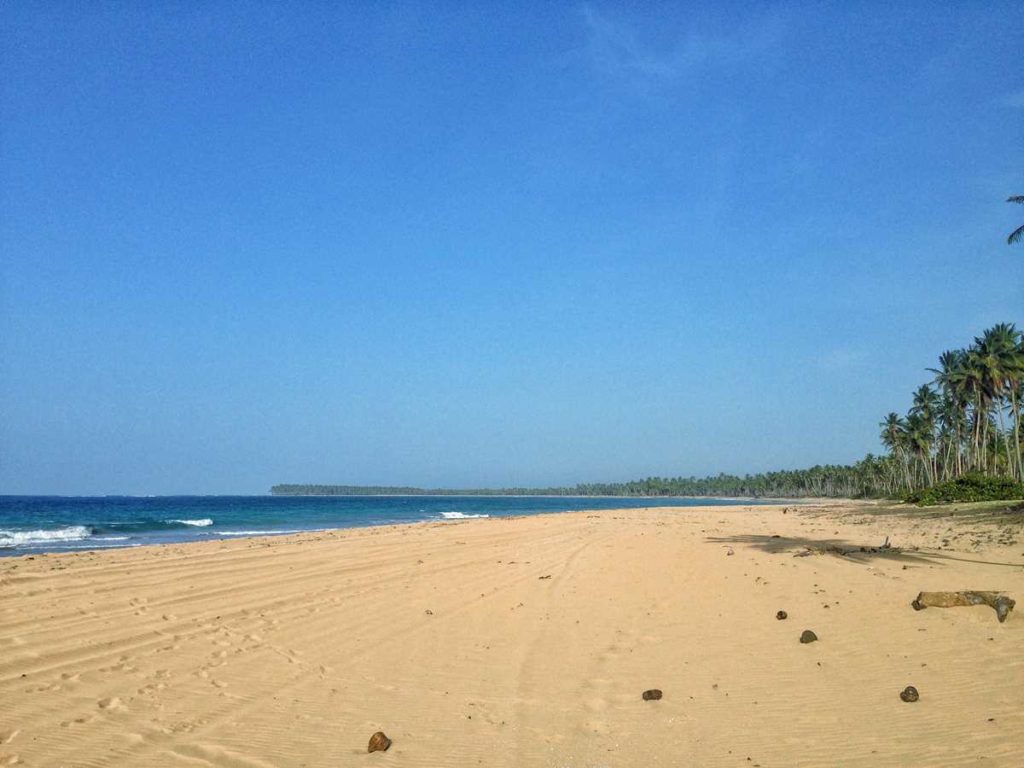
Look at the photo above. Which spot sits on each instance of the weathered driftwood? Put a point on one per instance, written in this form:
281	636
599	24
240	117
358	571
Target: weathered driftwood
1001	603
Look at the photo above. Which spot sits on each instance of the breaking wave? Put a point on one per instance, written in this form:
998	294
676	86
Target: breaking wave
10	539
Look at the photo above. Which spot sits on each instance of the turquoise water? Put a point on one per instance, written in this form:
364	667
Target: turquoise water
33	524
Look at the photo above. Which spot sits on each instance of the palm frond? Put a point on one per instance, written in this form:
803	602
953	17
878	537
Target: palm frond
1015	236
1015	199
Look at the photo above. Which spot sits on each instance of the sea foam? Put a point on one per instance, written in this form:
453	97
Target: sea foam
459	516
10	538
200	523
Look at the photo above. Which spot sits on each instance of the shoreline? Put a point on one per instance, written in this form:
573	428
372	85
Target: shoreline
32	526
522	640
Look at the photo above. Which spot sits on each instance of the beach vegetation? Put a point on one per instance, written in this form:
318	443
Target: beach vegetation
1018	234
966	421
959	440
970	487
865	478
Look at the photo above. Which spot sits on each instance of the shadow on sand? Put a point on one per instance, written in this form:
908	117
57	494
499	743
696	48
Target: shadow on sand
800	546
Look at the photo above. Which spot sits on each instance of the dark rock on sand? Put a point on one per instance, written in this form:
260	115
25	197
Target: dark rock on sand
781	615
909	694
379	742
652	695
807	636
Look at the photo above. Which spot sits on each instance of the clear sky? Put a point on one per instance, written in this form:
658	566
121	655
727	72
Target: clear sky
481	244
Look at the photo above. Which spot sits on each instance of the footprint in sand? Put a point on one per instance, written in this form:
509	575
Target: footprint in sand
9	759
113	704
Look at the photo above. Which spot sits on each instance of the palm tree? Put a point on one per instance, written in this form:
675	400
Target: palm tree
978	384
921	425
1002	344
926	402
1018	233
996	354
969	419
919	436
894	437
951	378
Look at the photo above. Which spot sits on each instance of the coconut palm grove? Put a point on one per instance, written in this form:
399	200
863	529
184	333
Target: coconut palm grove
965	422
960	440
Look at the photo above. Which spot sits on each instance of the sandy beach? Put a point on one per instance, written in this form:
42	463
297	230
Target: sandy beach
524	642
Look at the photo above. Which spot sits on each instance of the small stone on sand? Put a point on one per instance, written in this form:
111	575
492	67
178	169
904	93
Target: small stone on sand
781	615
379	742
807	636
652	695
909	694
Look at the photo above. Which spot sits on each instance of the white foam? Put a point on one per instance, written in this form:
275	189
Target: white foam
459	516
10	538
200	523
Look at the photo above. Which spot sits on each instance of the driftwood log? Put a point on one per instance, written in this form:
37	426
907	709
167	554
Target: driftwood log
1001	603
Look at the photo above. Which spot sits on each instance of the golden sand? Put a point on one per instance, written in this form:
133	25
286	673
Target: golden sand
521	642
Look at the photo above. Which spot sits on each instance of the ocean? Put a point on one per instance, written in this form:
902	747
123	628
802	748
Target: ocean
35	524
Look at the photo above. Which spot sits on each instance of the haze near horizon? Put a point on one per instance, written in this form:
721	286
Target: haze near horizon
500	245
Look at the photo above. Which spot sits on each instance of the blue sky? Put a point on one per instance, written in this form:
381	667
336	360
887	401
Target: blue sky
483	244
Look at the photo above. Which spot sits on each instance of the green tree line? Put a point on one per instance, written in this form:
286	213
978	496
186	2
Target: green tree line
861	479
966	420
